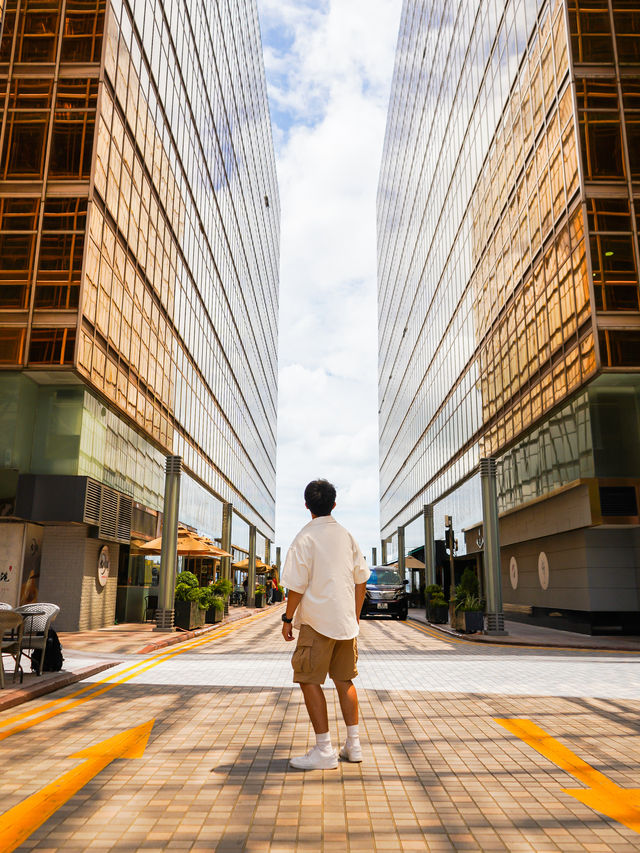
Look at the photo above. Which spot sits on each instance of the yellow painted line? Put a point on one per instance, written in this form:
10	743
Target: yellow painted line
436	635
59	706
22	820
602	794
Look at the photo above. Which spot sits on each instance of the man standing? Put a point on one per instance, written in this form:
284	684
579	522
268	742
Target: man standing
326	575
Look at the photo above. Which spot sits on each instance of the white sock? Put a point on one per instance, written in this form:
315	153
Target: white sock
353	734
323	742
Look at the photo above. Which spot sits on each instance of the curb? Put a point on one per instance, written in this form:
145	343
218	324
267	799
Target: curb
20	695
183	636
505	641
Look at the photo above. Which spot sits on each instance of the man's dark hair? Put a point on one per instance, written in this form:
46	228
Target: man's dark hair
320	497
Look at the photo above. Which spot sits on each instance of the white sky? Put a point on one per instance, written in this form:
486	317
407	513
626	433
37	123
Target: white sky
329	65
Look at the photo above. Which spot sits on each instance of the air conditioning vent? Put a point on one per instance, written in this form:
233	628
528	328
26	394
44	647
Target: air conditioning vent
123	531
108	514
92	502
620	501
108	510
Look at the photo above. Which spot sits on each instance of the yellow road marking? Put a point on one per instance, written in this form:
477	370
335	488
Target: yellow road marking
22	820
603	795
59	706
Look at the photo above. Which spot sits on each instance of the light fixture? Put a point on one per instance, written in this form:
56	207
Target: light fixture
608	254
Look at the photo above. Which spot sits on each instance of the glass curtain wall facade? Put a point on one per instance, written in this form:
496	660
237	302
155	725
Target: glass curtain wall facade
508	252
139	228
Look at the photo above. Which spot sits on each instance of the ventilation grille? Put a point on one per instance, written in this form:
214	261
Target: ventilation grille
109	511
92	502
123	529
620	501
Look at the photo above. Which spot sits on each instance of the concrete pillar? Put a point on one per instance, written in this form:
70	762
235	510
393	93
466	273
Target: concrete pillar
401	563
383	548
278	560
429	545
227	524
251	588
492	564
374	557
169	552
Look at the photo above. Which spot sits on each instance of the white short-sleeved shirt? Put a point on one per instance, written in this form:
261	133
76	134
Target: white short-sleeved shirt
324	563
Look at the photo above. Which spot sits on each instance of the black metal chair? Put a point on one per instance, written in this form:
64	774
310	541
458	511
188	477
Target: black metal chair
150	607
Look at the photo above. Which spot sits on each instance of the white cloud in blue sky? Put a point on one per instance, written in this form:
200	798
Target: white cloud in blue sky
329	67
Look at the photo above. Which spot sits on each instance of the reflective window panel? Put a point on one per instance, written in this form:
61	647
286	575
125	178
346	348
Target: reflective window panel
139	223
506	219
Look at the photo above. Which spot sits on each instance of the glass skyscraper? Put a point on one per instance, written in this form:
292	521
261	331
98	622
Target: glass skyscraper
139	253
509	307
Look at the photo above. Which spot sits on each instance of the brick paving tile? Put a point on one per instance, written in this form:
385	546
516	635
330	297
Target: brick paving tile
438	775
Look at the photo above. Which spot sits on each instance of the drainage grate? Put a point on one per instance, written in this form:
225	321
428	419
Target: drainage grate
618	501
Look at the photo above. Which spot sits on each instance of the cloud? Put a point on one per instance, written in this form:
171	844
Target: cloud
329	68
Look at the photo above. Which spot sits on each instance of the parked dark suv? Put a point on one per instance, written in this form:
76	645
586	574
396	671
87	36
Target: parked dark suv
386	594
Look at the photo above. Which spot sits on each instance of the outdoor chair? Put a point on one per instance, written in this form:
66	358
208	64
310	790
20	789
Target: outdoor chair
150	607
37	621
11	632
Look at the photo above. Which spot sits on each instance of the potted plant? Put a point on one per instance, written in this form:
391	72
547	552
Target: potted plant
223	587
466	599
472	615
260	595
215	606
437	607
190	603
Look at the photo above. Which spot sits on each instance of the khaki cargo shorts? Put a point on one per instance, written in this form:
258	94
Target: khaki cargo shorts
317	655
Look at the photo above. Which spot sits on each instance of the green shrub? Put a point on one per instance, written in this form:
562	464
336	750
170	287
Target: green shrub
470	602
223	587
434	589
260	588
438	600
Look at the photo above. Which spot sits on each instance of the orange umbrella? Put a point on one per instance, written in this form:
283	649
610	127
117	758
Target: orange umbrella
189	545
244	564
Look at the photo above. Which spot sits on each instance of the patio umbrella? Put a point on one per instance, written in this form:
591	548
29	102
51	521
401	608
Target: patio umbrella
244	564
410	563
189	545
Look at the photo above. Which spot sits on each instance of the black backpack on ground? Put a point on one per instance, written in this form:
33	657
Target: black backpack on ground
52	655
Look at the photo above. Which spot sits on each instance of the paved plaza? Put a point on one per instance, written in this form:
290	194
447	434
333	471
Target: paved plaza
467	747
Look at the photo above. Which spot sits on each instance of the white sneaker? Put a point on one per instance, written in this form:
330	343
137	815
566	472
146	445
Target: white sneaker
316	759
351	752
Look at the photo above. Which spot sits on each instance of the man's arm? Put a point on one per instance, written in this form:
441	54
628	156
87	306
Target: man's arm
293	600
361	589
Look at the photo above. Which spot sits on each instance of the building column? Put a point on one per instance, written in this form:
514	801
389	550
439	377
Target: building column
267	552
225	543
374	557
401	563
169	551
492	563
251	586
429	545
278	560
383	549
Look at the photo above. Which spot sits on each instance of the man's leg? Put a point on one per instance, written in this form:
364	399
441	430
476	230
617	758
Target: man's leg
316	707
348	701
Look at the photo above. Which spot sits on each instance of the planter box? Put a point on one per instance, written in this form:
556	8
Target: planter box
438	613
188	615
213	616
473	621
260	599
